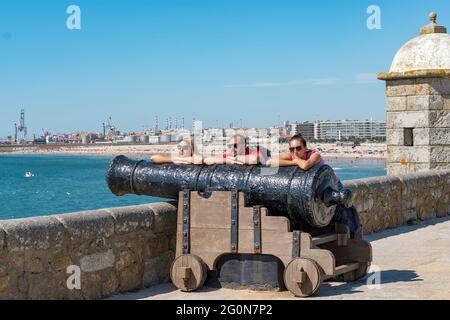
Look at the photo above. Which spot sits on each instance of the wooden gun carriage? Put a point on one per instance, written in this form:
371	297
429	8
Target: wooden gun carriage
217	223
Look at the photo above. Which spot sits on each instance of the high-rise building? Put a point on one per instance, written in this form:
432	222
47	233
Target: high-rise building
344	129
305	128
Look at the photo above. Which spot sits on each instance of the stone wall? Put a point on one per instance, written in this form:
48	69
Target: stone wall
423	106
389	201
128	248
115	250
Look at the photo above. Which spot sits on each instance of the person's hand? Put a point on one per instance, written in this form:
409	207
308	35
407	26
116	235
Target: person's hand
209	161
250	159
236	160
299	162
231	161
272	163
197	160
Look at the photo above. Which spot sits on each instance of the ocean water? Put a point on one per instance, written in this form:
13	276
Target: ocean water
61	184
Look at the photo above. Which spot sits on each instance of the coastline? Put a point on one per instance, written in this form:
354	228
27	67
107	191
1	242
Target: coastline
332	153
367	155
328	158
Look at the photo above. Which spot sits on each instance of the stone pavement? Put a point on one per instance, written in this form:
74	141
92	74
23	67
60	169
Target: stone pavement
414	263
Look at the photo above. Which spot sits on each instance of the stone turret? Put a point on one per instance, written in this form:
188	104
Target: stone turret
418	103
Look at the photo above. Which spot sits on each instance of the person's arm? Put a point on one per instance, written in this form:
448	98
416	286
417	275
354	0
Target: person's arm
197	159
302	164
307	164
284	160
285	156
159	158
214	160
248	159
188	160
280	163
182	160
255	157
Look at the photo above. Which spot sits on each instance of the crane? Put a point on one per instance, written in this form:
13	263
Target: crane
20	131
109	129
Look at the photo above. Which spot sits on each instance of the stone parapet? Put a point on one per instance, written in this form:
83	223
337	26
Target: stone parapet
391	201
113	250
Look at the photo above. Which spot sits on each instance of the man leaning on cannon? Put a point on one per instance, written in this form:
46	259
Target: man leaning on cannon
239	152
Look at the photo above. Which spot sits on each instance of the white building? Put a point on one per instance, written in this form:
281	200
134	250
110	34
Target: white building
344	129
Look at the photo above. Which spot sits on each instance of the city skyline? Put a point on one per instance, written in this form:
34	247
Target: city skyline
167	125
208	60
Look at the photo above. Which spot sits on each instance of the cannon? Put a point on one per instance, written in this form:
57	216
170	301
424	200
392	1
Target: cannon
241	223
302	196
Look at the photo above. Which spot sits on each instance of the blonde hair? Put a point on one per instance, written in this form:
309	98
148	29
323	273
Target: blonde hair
191	142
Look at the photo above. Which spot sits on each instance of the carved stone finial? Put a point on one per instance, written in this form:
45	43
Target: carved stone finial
433	17
433	27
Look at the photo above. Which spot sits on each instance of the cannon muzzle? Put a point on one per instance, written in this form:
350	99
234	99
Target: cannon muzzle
310	196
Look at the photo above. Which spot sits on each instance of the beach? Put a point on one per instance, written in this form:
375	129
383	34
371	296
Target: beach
368	152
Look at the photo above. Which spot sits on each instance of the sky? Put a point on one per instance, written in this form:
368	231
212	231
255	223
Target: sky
219	61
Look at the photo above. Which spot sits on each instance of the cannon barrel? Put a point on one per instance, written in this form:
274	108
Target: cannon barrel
309	196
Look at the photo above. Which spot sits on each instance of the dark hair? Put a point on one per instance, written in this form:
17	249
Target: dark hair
300	138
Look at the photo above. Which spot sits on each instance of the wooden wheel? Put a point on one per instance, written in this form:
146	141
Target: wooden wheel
303	277
188	272
358	273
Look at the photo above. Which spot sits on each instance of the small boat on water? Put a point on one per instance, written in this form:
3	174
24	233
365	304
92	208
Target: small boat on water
29	174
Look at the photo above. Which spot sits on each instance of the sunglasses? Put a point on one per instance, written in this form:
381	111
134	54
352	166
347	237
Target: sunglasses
234	145
295	149
183	147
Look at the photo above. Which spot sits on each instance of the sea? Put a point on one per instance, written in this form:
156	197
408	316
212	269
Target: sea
37	185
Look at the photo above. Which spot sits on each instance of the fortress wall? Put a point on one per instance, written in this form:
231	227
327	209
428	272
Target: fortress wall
392	201
128	248
114	250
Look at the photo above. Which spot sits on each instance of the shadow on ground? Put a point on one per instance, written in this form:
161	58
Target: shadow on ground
328	289
405	229
384	277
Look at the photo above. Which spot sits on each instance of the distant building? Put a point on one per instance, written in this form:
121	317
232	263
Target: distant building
344	129
6	140
305	128
153	139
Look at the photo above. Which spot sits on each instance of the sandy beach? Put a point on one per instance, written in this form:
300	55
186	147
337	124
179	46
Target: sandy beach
333	153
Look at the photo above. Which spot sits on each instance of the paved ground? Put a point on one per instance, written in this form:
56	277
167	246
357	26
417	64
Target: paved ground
414	263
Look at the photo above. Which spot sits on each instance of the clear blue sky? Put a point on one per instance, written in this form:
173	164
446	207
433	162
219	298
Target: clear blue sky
218	59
